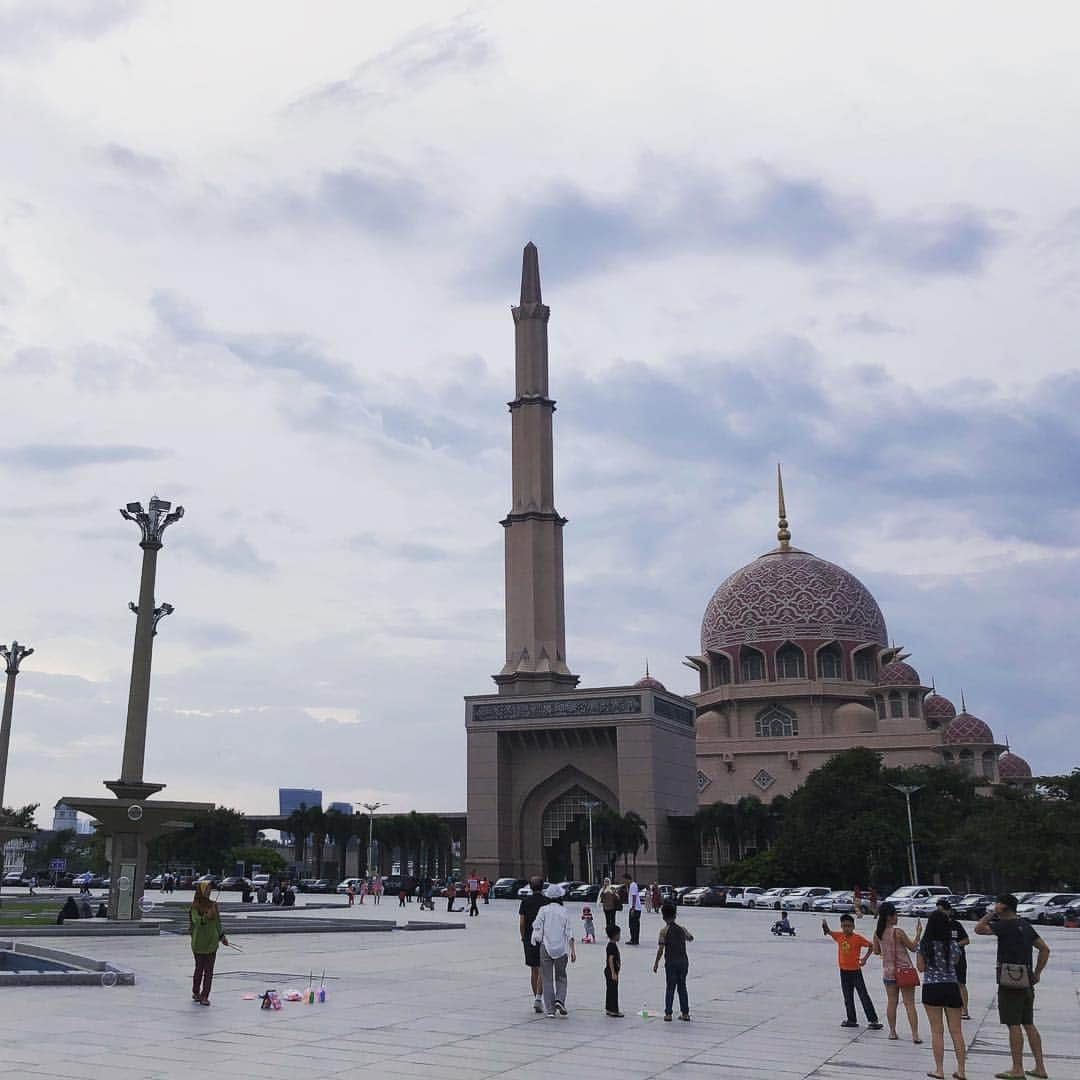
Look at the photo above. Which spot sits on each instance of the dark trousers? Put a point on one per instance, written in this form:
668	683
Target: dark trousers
204	974
676	981
851	982
609	918
611	994
472	903
449	903
635	926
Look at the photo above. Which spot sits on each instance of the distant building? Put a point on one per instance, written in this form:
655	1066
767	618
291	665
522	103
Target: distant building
290	799
342	807
64	818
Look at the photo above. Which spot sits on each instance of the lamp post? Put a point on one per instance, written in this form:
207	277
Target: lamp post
590	805
371	807
13	655
907	790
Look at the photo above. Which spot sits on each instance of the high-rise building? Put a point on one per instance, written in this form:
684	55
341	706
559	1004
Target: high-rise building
290	799
342	807
64	818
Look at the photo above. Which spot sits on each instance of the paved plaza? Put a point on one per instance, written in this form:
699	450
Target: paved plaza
455	1004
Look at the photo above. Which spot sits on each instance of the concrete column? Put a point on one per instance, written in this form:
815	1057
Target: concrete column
139	690
14	656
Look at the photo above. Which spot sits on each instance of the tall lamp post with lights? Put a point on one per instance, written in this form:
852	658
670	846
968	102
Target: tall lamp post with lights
13	655
907	790
371	807
590	805
132	819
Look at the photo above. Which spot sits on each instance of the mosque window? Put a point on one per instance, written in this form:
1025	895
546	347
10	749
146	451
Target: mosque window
790	662
776	723
896	704
967	761
913	705
864	665
881	708
720	669
751	665
988	760
830	662
948	757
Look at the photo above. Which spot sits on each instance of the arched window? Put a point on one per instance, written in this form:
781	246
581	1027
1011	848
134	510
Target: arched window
913	704
719	669
830	662
881	708
988	760
864	665
775	722
751	665
896	704
790	662
948	757
967	761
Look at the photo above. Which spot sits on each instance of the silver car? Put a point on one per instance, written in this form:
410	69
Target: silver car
1038	908
802	899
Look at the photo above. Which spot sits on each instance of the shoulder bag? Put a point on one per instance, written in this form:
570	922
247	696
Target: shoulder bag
1014	976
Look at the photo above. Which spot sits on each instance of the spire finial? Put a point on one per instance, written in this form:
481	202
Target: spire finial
782	533
933	686
646	667
530	275
963	703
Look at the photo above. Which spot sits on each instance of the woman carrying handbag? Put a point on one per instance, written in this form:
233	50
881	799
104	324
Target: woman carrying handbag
893	946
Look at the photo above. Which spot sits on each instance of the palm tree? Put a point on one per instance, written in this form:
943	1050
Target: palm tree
341	829
318	826
297	825
636	836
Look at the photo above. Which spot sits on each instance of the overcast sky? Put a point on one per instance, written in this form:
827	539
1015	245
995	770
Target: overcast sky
258	258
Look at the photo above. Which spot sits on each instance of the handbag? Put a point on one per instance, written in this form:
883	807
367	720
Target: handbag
1014	976
906	977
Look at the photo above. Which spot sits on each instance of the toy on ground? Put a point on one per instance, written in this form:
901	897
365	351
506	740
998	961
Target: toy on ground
270	1000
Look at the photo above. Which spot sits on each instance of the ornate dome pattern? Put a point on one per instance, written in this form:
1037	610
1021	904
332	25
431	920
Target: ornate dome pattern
791	594
939	709
647	682
966	728
898	674
1013	767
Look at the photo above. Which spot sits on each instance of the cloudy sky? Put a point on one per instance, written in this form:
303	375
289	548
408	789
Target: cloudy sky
258	258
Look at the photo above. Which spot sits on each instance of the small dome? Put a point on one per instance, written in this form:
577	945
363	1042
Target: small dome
647	682
938	709
1013	767
965	728
898	674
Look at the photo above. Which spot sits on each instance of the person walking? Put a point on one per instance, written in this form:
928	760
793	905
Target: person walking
378	887
937	959
1017	979
672	947
657	899
897	971
451	896
612	967
473	883
633	896
849	946
350	892
551	931
609	901
527	912
485	888
204	926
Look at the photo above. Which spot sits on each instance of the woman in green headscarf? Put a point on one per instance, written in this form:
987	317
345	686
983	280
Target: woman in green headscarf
206	935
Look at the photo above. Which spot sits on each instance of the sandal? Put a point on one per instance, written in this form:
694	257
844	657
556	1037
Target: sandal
893	1035
1040	1075
936	1076
916	1040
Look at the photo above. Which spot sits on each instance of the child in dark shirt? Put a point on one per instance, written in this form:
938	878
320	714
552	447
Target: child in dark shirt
612	964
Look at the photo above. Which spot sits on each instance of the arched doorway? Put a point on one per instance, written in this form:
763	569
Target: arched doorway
565	835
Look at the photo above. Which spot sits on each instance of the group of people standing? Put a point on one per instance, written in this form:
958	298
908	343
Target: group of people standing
940	965
549	944
373	888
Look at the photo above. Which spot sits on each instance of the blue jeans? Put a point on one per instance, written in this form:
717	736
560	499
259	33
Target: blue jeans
676	980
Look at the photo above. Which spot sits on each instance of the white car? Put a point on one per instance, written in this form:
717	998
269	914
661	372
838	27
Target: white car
743	896
825	903
260	879
803	899
344	886
770	898
913	894
1036	908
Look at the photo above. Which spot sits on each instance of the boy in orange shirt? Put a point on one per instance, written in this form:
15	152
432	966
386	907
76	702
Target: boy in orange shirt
849	945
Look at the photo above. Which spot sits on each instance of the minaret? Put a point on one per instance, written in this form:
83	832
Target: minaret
535	613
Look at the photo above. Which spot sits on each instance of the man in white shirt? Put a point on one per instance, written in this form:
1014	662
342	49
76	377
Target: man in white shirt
634	898
551	932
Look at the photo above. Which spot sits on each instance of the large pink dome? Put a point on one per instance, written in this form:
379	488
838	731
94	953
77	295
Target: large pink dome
649	682
897	674
938	709
1013	767
791	594
965	728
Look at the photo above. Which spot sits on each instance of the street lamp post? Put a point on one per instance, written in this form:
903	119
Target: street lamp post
907	790
371	807
590	805
13	655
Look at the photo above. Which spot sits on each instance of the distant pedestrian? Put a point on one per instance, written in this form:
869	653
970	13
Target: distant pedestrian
378	887
33	884
1016	979
527	912
485	888
672	948
937	960
612	966
350	892
856	899
633	896
897	971
70	910
551	931
401	894
451	896
363	889
609	901
588	935
204	925
849	946
473	884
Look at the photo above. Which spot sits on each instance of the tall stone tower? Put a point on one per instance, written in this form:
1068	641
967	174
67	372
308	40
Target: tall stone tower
535	611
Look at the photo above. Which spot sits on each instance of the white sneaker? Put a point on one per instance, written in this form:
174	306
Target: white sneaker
538	1005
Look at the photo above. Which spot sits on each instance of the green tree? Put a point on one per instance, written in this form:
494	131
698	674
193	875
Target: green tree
341	828
270	859
207	845
22	818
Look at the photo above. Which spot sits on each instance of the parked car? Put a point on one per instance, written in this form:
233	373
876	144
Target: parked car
802	899
743	895
319	885
911	894
569	886
13	879
526	889
264	880
506	888
235	884
213	879
1055	914
1072	915
825	903
343	886
844	903
923	909
706	896
681	891
972	906
1038	906
585	893
771	898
